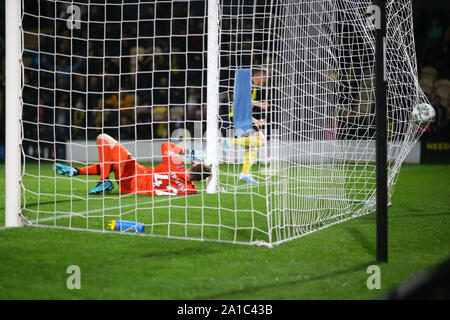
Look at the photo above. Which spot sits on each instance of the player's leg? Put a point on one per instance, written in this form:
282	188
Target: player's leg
116	158
106	155
255	141
104	144
113	157
90	170
252	141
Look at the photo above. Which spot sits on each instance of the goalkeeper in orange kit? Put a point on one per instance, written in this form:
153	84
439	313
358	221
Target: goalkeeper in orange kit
168	178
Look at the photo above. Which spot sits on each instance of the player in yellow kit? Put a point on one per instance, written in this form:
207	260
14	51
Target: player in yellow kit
256	139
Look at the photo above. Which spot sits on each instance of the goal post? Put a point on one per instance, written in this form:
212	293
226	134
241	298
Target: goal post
146	73
381	133
13	109
212	94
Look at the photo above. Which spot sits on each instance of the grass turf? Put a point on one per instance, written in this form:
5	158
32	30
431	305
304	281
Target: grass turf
328	264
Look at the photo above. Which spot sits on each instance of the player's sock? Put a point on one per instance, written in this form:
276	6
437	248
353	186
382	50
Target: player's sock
105	169
90	170
249	159
105	154
102	170
65	170
249	142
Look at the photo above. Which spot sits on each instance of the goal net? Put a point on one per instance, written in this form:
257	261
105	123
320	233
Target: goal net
150	72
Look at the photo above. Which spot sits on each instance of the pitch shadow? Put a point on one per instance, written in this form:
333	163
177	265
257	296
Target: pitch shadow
248	290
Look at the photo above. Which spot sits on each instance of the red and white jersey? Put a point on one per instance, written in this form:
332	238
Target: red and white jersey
169	177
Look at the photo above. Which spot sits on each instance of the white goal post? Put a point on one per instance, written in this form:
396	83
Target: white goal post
151	72
13	88
213	92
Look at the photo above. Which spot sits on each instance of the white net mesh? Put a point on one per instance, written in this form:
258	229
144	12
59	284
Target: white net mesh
136	70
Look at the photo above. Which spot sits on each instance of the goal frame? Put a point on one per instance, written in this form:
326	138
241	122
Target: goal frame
14	75
13	78
13	106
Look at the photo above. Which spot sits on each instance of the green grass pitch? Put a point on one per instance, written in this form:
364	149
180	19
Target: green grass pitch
327	264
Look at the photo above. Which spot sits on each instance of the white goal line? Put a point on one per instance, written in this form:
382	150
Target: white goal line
86	214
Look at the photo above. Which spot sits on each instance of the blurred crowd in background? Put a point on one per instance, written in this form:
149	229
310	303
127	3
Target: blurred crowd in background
79	88
133	85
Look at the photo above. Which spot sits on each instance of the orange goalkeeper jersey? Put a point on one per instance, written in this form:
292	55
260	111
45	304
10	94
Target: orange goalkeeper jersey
168	178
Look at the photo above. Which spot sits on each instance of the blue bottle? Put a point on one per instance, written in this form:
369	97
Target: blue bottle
123	225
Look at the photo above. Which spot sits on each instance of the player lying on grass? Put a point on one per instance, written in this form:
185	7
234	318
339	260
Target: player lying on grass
168	178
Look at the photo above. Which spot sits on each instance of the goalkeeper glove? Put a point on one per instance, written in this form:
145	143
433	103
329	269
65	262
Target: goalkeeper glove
196	155
65	170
